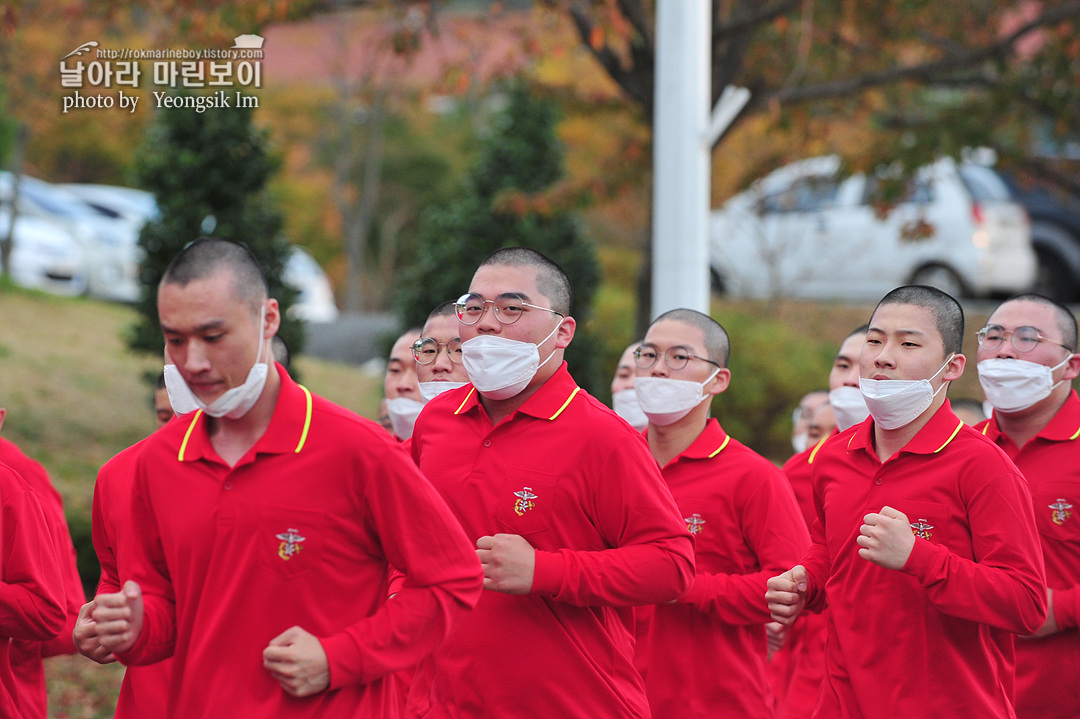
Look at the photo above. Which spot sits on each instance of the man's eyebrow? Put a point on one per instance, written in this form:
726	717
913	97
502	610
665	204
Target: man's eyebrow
515	295
204	327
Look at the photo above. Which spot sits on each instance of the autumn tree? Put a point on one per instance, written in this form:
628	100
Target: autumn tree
208	172
917	78
506	202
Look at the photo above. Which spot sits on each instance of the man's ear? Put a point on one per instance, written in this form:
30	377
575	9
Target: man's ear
566	333
720	381
955	367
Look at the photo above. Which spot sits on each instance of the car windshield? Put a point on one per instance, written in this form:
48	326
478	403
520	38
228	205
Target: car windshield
984	184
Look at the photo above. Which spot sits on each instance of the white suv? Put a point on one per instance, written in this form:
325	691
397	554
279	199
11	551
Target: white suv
802	232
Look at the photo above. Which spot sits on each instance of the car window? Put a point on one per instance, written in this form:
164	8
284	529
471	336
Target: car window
983	184
807	194
918	190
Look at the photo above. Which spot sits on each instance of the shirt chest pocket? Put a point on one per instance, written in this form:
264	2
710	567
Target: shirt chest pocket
928	520
289	541
1056	510
525	502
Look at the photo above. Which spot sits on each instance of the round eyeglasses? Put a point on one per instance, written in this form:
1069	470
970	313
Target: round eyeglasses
426	350
675	358
1024	339
508	308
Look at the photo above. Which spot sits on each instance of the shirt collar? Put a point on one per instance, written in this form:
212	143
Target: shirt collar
935	435
712	440
547	402
289	427
1062	427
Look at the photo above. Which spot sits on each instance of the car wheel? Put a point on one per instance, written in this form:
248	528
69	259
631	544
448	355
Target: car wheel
1053	279
942	278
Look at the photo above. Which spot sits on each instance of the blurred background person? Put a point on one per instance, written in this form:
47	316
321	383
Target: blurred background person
400	388
26	655
800	417
623	396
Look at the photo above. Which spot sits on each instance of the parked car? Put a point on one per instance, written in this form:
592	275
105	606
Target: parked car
803	231
1055	234
109	245
44	256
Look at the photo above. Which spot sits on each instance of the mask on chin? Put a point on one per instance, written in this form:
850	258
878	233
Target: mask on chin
431	390
1013	385
235	402
403	412
894	403
626	405
501	368
848	406
665	401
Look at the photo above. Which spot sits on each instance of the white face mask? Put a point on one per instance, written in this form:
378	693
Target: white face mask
626	405
1012	385
500	368
665	401
894	403
799	442
234	403
431	390
403	412
849	406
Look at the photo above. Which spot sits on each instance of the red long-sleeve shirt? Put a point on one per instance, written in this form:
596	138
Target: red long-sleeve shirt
798	668
32	589
1048	669
705	655
572	478
300	532
26	656
145	689
936	637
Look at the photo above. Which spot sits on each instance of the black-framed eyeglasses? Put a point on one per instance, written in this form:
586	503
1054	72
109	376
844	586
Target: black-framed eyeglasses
675	358
1024	339
426	350
508	308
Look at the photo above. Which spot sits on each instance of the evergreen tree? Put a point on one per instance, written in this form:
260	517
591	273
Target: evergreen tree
208	172
518	159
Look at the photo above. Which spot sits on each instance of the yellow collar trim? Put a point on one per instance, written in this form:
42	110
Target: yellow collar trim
307	420
951	437
299	445
187	435
721	447
817	446
566	403
462	405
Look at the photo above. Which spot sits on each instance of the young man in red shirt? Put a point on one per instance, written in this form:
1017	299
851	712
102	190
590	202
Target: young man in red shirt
269	518
798	667
925	546
1027	361
145	689
623	395
400	388
26	655
704	654
572	521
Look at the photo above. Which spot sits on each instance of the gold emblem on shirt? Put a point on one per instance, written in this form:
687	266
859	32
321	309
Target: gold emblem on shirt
290	544
921	529
524	501
694	522
1061	511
